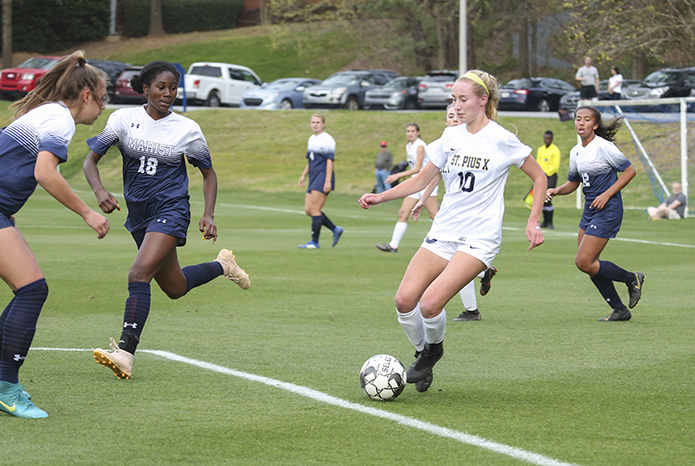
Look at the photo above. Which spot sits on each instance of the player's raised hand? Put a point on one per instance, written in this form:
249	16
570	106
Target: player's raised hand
369	199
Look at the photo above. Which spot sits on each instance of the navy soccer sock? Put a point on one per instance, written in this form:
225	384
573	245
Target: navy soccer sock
316	222
200	274
137	308
19	327
3	317
326	222
610	271
607	290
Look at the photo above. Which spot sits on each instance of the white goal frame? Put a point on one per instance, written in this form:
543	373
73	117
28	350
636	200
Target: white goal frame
683	117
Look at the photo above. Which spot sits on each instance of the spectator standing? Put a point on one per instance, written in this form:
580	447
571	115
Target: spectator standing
587	78
615	84
382	167
548	157
674	206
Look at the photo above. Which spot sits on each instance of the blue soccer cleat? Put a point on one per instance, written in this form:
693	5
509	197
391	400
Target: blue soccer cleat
337	233
309	245
15	401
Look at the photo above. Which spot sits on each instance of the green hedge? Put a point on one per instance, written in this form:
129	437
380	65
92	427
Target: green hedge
179	16
49	25
46	26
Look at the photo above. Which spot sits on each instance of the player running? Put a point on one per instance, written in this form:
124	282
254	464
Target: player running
155	143
31	148
595	163
474	159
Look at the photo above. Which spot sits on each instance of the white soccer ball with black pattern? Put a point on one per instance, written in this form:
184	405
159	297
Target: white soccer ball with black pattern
382	377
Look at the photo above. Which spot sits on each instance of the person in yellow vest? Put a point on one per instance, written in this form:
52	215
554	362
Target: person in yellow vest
548	157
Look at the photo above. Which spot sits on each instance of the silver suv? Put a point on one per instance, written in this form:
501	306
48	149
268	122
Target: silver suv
345	89
435	89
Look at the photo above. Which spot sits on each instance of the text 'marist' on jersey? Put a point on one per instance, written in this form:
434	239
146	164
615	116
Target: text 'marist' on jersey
154	154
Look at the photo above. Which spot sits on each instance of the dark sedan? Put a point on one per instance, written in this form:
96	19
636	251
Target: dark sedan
534	94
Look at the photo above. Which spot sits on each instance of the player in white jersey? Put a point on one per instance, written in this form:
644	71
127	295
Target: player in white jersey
31	148
474	159
467	293
595	163
417	158
155	144
320	154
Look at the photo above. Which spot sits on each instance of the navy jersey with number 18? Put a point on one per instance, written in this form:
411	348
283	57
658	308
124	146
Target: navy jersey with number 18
154	154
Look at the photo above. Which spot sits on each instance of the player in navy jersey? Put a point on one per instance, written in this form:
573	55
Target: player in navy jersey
31	148
474	159
595	163
155	144
319	166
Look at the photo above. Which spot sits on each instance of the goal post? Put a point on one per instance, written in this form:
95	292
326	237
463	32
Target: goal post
662	133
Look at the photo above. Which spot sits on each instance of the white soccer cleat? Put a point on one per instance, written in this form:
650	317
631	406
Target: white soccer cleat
232	271
118	360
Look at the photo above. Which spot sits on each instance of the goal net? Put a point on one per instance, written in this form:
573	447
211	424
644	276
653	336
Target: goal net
658	137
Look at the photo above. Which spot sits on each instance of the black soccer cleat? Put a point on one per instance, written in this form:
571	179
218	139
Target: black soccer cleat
618	315
466	316
424	384
386	247
422	366
487	278
635	289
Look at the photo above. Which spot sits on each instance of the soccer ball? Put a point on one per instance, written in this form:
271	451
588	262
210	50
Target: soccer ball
382	377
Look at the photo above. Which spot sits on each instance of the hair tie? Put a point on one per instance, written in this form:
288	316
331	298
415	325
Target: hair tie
476	78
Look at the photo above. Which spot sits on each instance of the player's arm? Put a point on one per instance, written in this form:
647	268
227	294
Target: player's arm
207	224
46	174
622	181
567	188
107	203
419	158
329	176
540	184
415	212
302	177
406	188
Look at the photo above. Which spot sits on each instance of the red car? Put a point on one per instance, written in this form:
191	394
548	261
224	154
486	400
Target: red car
17	82
125	94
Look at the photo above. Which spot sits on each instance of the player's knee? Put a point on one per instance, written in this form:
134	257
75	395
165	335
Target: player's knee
582	264
405	303
138	274
174	293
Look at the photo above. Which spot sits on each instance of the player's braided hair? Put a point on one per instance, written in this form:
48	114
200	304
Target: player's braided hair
149	72
65	82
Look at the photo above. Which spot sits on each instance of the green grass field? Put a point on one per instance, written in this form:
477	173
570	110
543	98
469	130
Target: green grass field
538	375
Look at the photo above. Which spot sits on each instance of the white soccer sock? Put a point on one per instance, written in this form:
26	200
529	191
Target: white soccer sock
435	328
398	232
413	327
482	274
467	294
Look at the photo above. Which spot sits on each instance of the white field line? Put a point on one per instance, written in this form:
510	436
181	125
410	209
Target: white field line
474	440
301	212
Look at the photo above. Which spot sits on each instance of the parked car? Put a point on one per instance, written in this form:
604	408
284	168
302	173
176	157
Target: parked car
399	93
569	101
435	89
18	82
215	84
345	89
668	82
281	94
533	94
113	69
123	92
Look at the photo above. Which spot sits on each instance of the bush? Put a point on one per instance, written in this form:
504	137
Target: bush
57	24
179	16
